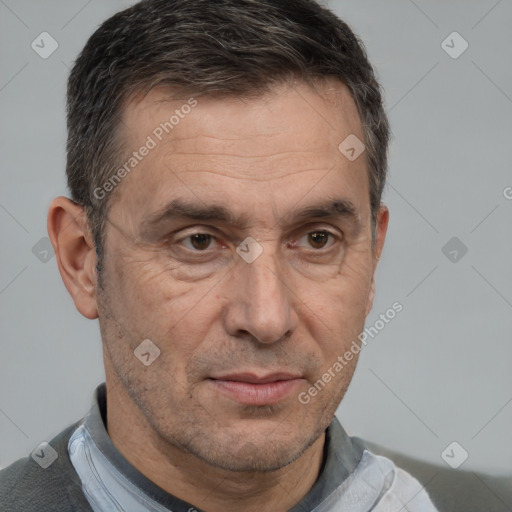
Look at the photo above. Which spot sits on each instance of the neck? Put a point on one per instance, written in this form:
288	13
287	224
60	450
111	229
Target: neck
192	480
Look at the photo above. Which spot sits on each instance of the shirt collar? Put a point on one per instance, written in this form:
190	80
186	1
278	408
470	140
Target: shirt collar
341	456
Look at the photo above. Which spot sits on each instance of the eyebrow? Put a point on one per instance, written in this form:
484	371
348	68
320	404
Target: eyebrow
181	209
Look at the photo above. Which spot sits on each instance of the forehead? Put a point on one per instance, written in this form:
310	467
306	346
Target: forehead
290	109
201	147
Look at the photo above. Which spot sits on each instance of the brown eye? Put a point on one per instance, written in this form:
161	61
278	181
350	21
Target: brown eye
318	239
200	241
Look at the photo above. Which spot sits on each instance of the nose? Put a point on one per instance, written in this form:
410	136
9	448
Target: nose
261	302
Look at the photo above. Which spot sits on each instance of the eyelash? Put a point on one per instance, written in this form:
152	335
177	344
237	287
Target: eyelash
332	238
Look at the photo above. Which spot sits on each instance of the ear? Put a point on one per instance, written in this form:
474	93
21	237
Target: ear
382	227
74	251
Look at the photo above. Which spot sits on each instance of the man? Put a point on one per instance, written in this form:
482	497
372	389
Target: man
226	162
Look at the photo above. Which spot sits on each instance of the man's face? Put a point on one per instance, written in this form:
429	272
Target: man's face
241	334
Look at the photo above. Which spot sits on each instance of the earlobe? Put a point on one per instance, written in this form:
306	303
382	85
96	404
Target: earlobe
74	252
381	228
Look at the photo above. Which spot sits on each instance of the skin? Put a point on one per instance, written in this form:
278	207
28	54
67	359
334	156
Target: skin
294	309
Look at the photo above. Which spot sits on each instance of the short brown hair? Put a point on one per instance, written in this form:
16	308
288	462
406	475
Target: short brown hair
201	47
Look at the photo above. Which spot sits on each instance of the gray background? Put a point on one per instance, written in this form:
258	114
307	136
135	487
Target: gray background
440	371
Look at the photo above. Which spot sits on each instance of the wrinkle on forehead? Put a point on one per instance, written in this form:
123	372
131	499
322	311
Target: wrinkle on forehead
331	104
284	141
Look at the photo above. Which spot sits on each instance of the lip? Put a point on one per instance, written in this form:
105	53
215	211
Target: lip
252	389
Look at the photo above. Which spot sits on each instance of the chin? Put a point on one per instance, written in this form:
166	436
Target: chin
263	453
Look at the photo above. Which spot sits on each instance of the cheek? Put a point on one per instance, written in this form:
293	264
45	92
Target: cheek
177	317
355	279
345	293
334	311
164	309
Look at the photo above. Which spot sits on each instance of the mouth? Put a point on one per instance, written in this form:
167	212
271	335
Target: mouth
253	389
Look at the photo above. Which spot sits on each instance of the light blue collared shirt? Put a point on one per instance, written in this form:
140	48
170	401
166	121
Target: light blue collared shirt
352	478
